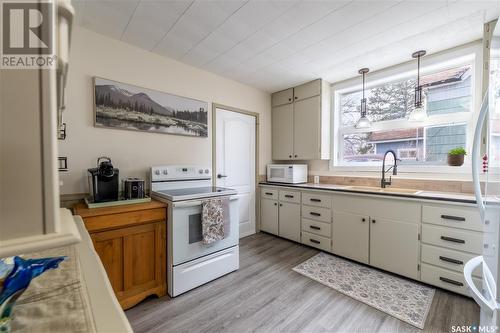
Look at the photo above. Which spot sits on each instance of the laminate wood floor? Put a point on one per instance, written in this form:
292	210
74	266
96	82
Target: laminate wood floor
265	295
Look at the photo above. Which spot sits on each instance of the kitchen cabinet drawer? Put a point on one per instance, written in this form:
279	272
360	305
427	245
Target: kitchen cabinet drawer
317	213
282	97
317	228
446	258
463	240
289	196
316	241
446	279
451	216
307	90
314	199
269	193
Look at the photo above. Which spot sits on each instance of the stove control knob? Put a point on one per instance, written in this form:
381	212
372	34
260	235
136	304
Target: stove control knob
165	172
157	172
207	171
200	171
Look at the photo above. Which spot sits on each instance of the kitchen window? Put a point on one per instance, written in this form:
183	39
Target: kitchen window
449	88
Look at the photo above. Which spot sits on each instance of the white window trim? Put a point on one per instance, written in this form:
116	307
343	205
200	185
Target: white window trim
466	54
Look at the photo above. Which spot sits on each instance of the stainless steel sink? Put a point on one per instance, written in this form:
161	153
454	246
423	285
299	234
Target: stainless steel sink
383	190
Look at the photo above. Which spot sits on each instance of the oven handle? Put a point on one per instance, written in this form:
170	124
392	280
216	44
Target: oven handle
196	202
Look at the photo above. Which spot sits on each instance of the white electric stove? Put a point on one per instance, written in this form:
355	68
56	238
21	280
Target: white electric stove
189	262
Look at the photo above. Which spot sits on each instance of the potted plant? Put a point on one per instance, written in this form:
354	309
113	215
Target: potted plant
456	156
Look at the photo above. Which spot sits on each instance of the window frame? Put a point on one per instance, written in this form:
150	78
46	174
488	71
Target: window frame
469	54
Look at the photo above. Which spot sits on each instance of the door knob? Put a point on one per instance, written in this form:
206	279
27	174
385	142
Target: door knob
221	176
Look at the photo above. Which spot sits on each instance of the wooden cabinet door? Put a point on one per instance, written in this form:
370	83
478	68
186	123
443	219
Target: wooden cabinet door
394	246
269	216
289	221
350	236
282	132
144	252
306	128
109	247
282	97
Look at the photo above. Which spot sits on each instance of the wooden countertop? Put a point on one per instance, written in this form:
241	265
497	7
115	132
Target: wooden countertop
82	209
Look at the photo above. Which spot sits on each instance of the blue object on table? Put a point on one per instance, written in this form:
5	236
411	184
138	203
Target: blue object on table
16	274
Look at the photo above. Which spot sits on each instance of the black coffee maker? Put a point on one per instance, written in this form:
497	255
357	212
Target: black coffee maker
103	181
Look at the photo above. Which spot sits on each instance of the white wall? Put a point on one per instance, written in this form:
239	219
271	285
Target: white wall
134	152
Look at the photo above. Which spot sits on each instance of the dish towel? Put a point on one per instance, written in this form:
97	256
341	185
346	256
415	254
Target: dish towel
214	219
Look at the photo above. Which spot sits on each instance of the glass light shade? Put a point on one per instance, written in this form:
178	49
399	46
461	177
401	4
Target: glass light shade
363	122
419	113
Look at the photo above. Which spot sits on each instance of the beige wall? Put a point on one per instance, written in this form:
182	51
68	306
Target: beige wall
131	151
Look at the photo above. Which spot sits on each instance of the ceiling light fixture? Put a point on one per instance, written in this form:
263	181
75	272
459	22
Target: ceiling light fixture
420	111
363	122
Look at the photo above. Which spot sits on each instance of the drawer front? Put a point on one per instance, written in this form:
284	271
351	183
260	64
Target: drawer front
316	241
289	196
317	213
269	193
318	200
446	258
282	97
450	216
457	239
317	228
446	279
113	221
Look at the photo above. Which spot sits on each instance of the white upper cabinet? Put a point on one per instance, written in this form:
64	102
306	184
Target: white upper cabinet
301	122
282	97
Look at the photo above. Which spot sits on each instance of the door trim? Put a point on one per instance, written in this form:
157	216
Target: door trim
215	106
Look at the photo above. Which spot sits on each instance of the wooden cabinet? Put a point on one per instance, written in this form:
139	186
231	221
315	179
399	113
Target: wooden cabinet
289	221
301	129
350	236
394	246
269	216
131	243
282	132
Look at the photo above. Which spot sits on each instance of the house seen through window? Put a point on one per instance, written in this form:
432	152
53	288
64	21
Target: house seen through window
447	92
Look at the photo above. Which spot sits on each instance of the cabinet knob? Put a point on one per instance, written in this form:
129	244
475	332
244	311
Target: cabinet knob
373	221
281	205
290	156
296	97
275	204
289	99
363	219
296	156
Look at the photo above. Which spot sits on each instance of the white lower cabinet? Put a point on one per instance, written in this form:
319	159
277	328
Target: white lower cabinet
269	216
289	221
350	236
281	218
394	246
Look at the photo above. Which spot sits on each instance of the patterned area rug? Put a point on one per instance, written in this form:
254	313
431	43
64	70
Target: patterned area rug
401	298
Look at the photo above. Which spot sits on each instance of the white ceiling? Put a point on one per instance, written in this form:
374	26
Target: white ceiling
276	44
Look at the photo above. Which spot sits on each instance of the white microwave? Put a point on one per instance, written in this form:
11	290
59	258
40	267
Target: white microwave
287	173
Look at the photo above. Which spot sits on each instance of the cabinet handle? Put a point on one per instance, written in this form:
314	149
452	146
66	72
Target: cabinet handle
314	227
269	193
454	218
454	240
315	214
315	200
288	196
314	241
450	281
453	261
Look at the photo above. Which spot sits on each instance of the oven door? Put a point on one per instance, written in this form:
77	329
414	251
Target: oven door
185	232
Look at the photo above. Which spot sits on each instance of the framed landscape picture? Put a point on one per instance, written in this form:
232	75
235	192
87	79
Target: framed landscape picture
125	106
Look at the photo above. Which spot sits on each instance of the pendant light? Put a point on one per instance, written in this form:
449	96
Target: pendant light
363	122
420	111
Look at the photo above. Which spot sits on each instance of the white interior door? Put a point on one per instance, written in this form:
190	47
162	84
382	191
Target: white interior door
235	162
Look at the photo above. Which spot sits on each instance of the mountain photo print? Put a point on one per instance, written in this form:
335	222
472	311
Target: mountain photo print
124	106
